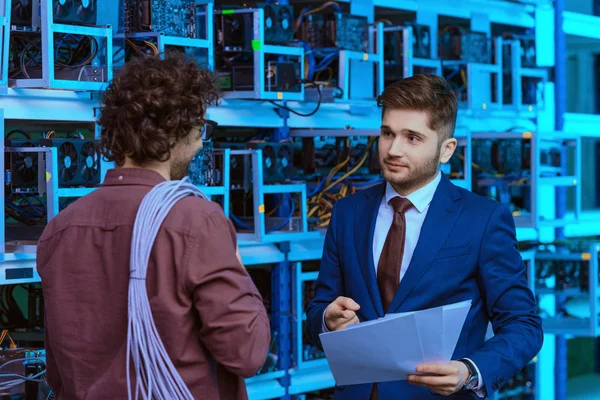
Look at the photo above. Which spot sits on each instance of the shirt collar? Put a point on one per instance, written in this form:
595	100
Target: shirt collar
132	176
420	198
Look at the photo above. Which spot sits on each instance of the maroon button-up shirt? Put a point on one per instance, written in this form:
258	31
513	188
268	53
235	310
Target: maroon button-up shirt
206	308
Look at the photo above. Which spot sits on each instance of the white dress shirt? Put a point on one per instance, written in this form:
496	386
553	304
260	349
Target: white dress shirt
415	216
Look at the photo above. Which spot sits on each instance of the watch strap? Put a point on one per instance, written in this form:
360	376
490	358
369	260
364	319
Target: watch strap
473	380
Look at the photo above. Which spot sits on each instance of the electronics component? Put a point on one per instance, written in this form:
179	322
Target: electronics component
340	30
421	45
167	17
456	43
78	161
21	12
502	156
240	166
569	270
275	74
569	276
527	50
203	167
520	386
78	12
313	30
279	23
21	372
503	169
348	32
21	168
277	159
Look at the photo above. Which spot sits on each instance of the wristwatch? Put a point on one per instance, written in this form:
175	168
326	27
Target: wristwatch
473	381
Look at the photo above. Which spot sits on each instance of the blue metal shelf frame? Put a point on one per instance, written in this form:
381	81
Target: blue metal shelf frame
259	190
260	49
531	220
48	29
224	190
572	326
564	180
517	74
163	40
5	11
477	80
374	56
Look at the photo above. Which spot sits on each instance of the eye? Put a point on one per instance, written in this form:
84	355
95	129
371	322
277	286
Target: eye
413	138
386	133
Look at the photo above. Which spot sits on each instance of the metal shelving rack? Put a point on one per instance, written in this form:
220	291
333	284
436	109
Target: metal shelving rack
345	117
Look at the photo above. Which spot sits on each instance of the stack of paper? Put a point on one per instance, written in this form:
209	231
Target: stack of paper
390	348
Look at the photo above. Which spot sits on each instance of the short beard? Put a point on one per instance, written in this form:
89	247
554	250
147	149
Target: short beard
179	169
419	176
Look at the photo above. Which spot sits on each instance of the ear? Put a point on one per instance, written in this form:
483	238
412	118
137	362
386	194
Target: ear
447	150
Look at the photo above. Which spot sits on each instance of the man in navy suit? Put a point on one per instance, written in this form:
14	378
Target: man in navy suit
416	242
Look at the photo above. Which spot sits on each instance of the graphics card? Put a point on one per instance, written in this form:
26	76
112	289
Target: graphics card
167	17
277	159
421	45
78	161
348	32
21	12
279	23
78	12
21	167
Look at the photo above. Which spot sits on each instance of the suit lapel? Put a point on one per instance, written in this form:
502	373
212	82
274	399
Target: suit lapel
365	217
441	217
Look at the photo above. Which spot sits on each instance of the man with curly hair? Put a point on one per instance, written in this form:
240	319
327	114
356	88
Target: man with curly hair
207	311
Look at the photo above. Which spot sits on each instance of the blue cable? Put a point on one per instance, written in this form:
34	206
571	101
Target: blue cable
156	376
326	61
237	221
288	219
312	62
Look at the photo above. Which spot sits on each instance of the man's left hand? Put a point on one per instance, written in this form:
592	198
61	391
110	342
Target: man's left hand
444	379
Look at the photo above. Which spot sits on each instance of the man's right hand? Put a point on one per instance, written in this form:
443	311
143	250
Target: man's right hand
341	313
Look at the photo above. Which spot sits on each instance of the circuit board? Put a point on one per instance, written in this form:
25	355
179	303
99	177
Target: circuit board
167	17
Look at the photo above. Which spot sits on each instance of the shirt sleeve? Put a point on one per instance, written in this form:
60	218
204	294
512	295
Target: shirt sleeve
324	326
234	323
480	390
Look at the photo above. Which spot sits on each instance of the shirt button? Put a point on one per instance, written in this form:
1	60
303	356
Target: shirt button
120	177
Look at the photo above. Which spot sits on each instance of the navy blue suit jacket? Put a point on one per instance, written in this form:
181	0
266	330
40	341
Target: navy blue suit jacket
467	250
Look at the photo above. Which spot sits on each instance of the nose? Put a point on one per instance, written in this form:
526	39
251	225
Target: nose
396	149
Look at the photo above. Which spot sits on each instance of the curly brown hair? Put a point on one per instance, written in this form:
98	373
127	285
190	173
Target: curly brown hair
429	93
151	104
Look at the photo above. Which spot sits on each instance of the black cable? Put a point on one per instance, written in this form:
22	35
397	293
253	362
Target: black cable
299	113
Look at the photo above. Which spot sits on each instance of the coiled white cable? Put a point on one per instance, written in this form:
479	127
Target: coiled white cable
156	376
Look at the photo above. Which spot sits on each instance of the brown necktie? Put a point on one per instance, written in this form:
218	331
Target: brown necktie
388	269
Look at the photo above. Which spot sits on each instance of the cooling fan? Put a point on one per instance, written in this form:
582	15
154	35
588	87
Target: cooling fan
67	162
284	21
277	159
25	165
21	12
284	159
278	23
62	8
86	10
81	12
270	19
89	162
269	156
